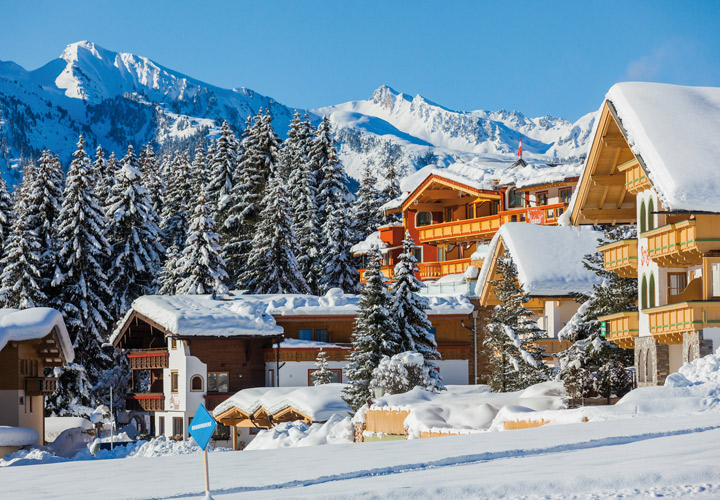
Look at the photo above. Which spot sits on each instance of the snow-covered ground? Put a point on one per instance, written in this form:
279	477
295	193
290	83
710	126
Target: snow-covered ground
641	457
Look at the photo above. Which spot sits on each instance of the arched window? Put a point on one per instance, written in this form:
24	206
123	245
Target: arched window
423	219
644	293
643	221
651	217
196	383
651	292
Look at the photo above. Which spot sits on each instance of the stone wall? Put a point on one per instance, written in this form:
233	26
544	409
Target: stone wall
652	362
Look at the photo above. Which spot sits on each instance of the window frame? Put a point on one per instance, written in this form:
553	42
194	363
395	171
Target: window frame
333	370
417	219
161	426
199	377
643	217
544	194
217	381
670	287
174	382
562	192
715	276
643	293
315	335
305	334
651	290
178	422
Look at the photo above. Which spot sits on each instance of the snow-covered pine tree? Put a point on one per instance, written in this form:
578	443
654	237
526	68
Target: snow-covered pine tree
593	365
302	186
101	172
374	335
223	167
133	236
403	372
84	291
202	267
511	334
200	172
334	201
20	279
391	190
175	218
322	375
170	276
6	210
152	178
409	309
272	266
43	200
367	216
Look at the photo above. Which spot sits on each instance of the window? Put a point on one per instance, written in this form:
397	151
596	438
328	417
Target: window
271	378
441	254
715	271
418	254
173	343
495	207
470	211
565	195
218	382
178	426
386	259
423	219
448	215
305	334
643	222
161	427
321	335
651	293
196	383
515	199
643	292
541	198
335	376
676	283
222	432
651	216
174	381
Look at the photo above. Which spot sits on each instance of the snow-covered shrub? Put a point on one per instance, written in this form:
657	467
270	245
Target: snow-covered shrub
402	372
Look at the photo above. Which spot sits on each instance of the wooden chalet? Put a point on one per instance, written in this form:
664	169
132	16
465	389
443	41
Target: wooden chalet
652	164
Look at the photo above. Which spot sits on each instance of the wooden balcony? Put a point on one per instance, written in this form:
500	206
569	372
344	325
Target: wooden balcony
148	359
621	257
635	178
683	243
148	401
669	322
430	270
388	272
553	346
40	386
622	328
486	227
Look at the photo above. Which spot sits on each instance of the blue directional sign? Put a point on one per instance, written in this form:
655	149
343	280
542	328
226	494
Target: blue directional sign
202	427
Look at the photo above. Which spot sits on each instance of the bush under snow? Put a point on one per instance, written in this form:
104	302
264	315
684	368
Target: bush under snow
337	430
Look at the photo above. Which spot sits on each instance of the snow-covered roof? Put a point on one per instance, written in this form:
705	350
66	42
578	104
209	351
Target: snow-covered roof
364	246
675	130
318	402
18	436
34	323
548	258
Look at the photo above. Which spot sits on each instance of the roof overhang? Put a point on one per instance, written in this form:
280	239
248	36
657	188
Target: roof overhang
437	192
602	196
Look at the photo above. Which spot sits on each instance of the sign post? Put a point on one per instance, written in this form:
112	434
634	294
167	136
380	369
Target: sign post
202	428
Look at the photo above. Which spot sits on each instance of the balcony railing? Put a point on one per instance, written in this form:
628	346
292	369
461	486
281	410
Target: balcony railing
430	270
388	272
148	359
621	257
40	386
148	401
669	322
485	227
635	178
683	243
621	328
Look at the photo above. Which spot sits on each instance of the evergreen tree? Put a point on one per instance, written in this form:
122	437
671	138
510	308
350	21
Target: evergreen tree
403	372
6	210
512	334
303	187
374	335
200	172
134	238
20	279
322	375
593	365
223	168
272	265
152	178
409	310
201	264
176	212
170	275
103	175
391	190
84	289
367	215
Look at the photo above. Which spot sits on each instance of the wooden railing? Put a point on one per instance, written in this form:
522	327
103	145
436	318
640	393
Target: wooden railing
148	401
621	257
488	225
40	386
635	178
669	322
621	328
683	243
430	269
148	359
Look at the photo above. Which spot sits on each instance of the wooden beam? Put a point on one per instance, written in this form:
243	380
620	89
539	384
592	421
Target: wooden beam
601	205
609	214
608	180
614	142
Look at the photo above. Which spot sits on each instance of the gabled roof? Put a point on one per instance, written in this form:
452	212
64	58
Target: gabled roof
548	259
671	131
33	324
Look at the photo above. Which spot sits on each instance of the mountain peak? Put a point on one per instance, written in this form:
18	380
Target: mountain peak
386	96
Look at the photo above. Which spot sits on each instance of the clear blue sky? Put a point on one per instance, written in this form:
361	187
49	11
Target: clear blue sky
538	57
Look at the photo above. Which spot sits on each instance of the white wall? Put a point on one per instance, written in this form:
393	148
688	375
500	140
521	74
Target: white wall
714	335
557	314
454	371
676	357
646	266
295	373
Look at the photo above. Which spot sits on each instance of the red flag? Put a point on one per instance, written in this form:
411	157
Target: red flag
520	150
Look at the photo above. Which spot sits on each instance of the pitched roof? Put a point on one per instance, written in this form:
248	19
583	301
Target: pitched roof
34	323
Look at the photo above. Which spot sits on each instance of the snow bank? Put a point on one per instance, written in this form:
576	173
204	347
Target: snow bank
337	430
531	244
674	130
318	402
705	370
308	344
34	323
373	240
54	426
18	436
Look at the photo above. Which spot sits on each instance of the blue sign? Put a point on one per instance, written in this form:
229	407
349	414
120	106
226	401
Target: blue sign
202	427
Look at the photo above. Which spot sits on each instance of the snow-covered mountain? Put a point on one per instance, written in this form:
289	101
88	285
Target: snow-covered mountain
116	99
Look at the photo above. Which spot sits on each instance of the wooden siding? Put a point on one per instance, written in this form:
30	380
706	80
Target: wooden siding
148	359
622	328
669	322
386	421
683	244
621	257
145	402
241	357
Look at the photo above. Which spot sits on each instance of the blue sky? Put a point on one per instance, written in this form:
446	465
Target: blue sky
540	57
